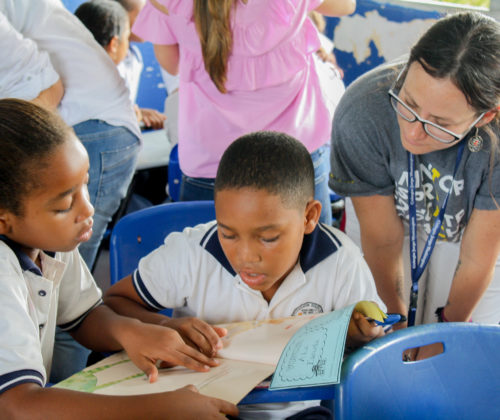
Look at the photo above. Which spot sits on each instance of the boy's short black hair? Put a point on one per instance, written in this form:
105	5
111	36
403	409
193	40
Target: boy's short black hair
271	161
103	18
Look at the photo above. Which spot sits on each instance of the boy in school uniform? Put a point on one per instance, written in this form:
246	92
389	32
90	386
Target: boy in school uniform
266	256
45	214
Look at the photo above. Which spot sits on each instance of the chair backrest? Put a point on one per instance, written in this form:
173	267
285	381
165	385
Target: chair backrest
139	233
174	174
463	382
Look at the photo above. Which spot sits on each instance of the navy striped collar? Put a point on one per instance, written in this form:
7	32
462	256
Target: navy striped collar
26	263
316	247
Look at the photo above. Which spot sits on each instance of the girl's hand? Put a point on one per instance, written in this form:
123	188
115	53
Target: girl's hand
198	334
187	403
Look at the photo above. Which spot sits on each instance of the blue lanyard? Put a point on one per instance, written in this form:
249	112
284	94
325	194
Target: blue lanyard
418	267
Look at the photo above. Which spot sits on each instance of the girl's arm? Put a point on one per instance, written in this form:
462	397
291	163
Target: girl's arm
168	57
382	237
124	300
337	7
478	254
30	401
145	344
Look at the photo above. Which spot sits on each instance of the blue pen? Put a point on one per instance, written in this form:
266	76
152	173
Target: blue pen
390	320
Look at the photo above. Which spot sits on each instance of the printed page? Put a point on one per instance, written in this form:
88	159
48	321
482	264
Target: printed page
261	341
117	375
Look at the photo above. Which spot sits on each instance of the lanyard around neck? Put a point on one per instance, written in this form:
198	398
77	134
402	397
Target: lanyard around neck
418	267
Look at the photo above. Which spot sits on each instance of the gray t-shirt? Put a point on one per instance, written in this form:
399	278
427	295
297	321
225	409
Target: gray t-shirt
368	159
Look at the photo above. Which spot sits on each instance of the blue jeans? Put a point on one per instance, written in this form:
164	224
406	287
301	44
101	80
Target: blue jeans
113	154
193	189
69	357
321	162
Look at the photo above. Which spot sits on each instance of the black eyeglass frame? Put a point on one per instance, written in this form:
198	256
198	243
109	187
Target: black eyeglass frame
394	97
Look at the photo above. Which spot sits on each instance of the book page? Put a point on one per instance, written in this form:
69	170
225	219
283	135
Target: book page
261	341
117	375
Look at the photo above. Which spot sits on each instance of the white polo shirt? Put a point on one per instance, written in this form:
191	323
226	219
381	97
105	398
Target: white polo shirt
33	303
190	270
40	42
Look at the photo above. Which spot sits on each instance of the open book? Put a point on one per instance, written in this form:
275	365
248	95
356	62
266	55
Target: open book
303	350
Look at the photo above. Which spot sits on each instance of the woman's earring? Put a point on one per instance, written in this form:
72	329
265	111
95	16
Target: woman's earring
475	143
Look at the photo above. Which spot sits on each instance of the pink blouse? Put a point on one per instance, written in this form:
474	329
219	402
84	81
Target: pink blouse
272	80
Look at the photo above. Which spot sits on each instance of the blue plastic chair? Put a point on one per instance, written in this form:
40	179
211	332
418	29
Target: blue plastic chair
174	174
463	382
139	233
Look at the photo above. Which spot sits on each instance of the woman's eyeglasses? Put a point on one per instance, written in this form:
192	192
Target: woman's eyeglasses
434	130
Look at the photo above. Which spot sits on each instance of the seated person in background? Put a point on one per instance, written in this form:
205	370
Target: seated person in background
45	214
109	22
325	52
266	256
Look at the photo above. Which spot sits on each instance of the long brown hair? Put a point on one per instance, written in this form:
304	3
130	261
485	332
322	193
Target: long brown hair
212	19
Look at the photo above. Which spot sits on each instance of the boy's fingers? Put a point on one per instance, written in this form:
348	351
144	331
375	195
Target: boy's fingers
211	336
193	359
221	332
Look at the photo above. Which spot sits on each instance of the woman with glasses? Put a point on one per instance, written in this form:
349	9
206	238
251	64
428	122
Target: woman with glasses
415	147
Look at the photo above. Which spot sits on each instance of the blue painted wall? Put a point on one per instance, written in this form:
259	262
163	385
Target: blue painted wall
388	14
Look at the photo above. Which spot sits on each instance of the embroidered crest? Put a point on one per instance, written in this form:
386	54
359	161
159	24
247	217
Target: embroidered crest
308	308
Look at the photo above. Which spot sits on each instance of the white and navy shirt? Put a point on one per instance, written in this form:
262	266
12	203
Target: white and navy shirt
191	271
32	303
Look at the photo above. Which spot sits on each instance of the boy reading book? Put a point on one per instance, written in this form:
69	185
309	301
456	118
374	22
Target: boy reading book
266	256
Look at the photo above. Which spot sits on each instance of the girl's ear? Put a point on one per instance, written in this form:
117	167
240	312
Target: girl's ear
312	213
5	217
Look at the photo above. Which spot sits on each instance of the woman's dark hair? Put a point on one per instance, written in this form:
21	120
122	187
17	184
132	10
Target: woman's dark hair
464	47
103	18
29	135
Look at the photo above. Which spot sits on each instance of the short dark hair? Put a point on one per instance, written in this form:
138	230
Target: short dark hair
29	135
103	18
271	161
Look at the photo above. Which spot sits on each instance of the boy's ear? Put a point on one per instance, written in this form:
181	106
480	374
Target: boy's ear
312	213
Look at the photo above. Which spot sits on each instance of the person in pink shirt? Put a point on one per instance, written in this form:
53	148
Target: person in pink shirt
244	66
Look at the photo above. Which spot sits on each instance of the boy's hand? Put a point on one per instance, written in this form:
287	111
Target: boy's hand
361	330
147	344
198	334
187	403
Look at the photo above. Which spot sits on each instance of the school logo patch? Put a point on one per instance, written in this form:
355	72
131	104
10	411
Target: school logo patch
308	308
